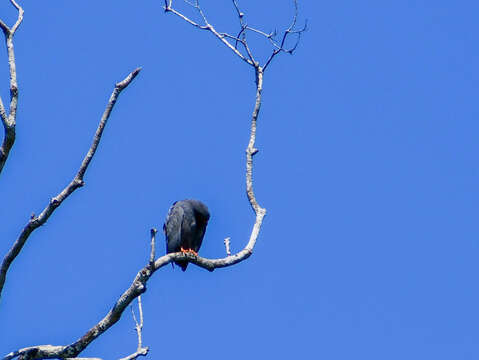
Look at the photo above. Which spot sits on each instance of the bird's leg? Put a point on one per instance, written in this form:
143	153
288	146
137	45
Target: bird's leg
188	251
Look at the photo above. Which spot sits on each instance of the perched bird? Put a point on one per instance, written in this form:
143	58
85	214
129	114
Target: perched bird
185	228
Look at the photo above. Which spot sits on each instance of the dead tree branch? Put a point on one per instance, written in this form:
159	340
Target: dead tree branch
138	286
279	45
205	26
152	246
140	351
9	121
77	182
227	242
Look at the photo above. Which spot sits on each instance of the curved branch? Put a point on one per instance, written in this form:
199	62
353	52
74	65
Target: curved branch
138	285
250	152
77	182
9	121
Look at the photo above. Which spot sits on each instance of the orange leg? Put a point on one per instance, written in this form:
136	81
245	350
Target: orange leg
188	251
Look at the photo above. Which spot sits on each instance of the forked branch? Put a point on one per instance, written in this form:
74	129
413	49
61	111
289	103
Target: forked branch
138	285
140	350
9	120
77	182
206	26
137	288
279	44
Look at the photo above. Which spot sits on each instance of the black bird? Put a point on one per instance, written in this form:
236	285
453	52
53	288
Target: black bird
185	228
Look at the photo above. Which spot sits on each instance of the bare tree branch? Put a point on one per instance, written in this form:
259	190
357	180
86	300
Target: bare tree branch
77	182
9	121
31	352
152	253
250	150
278	45
227	242
137	288
138	285
140	351
291	30
138	326
206	26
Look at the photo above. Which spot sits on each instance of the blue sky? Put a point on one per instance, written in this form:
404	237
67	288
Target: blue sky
367	167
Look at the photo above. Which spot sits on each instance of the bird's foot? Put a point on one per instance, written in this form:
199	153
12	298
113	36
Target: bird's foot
188	251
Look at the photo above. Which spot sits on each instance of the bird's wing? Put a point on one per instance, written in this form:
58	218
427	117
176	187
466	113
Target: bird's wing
193	226
172	228
200	233
188	226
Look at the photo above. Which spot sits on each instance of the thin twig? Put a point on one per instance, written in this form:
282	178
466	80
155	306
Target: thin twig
227	242
247	55
290	30
9	121
206	26
139	326
135	355
77	182
152	252
140	350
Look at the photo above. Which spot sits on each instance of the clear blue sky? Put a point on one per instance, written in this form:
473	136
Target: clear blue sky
368	141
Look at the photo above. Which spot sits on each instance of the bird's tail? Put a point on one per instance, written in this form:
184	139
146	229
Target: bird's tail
182	264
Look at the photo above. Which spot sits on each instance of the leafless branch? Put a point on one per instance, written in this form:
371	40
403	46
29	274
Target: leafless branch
138	285
206	26
77	182
31	352
152	253
135	355
241	38
227	242
137	288
9	121
259	70
243	31
291	30
138	326
140	351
